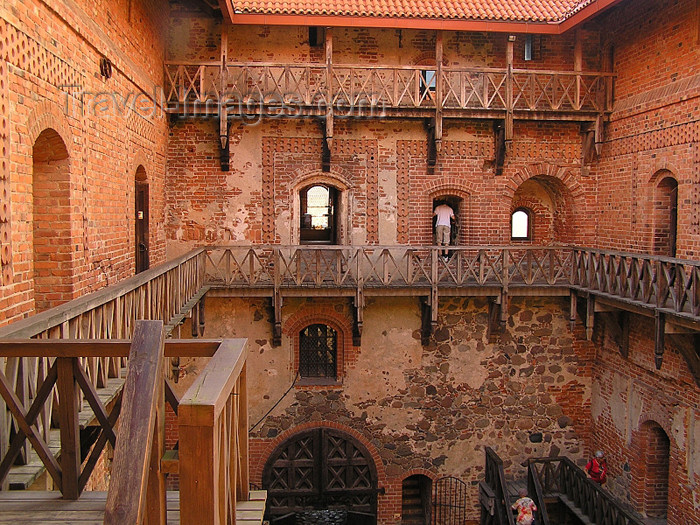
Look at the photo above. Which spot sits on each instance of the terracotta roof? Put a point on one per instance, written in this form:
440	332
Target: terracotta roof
505	10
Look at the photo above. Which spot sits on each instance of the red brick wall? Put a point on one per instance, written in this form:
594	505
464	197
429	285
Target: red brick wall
46	50
653	128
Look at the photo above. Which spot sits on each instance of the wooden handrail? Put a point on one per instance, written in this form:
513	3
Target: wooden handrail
496	480
560	475
213	423
141	412
534	489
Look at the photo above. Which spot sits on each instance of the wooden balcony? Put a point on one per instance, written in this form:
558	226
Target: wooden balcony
352	90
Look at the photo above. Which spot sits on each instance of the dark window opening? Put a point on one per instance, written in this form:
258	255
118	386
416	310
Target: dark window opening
317	36
456	204
318	205
521	225
318	352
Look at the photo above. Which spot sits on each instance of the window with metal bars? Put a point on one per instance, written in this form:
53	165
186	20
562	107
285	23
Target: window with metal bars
318	351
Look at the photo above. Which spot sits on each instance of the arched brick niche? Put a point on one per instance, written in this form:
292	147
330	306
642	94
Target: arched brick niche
650	469
52	241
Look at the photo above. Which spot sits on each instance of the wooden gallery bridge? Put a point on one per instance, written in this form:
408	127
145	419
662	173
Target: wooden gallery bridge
65	388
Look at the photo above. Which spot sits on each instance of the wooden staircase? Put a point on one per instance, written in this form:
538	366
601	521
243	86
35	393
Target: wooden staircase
412	512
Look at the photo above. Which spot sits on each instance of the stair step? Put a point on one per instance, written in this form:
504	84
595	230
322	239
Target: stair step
575	510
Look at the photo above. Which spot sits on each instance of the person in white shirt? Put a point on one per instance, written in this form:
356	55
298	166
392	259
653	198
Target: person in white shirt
443	226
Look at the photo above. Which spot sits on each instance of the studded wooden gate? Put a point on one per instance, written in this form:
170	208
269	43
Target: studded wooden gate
321	469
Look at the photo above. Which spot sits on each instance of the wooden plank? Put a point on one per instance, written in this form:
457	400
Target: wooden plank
126	497
204	400
43	321
101	348
68	425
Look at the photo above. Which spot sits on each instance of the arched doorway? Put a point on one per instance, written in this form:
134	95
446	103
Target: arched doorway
548	205
320	470
650	477
141	224
416	500
51	221
319	214
666	217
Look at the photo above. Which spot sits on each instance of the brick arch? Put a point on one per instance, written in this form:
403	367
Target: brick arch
419	471
336	177
664	196
322	314
661	171
650	468
139	161
449	187
566	196
271	446
47	115
562	173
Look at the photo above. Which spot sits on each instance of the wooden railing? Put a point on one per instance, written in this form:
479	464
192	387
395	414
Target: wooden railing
252	86
137	488
494	478
560	476
160	294
671	285
534	489
213	423
68	375
387	266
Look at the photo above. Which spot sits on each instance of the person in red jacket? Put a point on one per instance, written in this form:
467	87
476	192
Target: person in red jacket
597	468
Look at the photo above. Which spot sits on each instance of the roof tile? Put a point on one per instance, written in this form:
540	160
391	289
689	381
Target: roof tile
506	10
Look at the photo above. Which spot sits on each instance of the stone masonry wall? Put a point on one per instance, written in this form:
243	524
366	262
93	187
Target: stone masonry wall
423	409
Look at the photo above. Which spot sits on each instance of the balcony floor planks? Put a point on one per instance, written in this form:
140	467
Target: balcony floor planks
34	507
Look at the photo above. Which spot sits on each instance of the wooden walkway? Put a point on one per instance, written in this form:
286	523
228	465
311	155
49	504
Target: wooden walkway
23	507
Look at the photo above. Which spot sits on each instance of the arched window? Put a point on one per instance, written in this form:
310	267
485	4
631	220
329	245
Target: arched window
318	352
520	225
318	205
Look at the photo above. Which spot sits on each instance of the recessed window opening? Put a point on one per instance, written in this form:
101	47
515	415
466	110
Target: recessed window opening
318	221
428	82
318	352
520	225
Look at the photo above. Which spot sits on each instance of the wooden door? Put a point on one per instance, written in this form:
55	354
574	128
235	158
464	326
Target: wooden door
142	262
320	469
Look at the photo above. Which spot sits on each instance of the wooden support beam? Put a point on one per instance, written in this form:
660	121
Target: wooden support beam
617	323
494	325
358	317
689	348
508	125
438	91
578	66
659	338
426	327
625	343
69	427
432	147
499	132
328	133
325	148
573	306
599	138
277	319
590	316
227	11
224	155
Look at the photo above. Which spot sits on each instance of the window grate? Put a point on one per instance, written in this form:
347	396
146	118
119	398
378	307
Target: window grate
318	351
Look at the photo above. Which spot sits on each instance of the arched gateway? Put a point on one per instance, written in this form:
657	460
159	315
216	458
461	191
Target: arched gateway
317	471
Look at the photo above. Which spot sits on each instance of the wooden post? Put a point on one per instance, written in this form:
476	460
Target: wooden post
243	489
329	83
70	431
156	513
659	338
509	89
438	90
578	66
